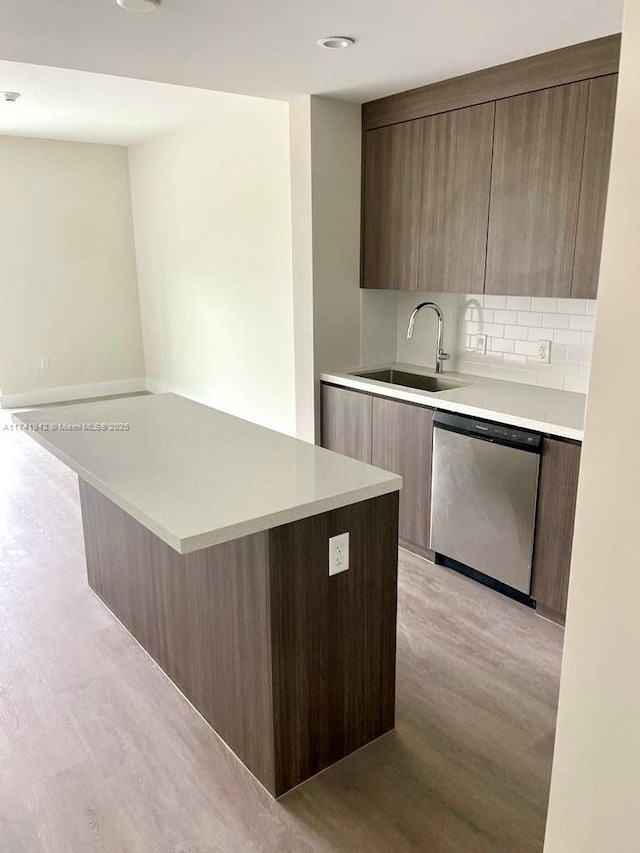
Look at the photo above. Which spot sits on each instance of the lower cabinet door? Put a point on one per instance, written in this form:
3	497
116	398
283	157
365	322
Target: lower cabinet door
557	492
402	440
346	422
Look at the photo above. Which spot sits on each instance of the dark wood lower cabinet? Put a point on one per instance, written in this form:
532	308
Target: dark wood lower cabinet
346	422
398	437
293	668
402	439
557	492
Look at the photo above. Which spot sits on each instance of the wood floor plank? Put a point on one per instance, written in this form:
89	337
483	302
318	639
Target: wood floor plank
99	752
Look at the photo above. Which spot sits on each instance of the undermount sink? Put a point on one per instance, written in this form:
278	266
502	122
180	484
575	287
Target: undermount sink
411	380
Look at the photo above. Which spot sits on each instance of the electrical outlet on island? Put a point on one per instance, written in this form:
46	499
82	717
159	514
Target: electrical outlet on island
338	553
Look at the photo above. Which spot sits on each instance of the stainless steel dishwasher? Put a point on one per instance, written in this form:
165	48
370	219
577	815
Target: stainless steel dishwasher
483	500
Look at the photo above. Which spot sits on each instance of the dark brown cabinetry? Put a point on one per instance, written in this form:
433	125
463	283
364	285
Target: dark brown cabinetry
391	207
456	178
595	181
398	437
402	440
426	202
346	422
493	182
557	492
391	435
535	191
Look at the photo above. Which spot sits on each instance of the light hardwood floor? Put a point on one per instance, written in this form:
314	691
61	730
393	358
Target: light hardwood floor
98	751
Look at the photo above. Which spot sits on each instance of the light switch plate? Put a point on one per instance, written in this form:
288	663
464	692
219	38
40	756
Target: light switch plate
338	553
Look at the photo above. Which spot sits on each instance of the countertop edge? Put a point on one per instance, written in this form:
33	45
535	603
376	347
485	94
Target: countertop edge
189	544
423	398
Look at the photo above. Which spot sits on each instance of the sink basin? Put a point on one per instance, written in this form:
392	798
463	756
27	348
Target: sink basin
412	380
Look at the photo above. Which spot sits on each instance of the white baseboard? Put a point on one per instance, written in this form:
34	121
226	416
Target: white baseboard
156	386
71	392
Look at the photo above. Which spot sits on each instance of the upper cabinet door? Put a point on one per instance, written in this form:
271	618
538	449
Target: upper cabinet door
535	190
391	206
595	182
456	158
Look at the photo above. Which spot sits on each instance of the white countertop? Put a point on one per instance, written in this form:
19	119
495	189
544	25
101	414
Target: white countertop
559	413
197	477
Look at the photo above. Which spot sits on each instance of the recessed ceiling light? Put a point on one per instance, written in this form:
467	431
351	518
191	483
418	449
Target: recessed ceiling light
139	5
336	42
9	96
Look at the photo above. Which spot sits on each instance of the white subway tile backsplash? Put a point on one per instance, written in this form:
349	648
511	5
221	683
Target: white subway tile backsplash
555	321
544	303
572	306
512	360
528	318
505	316
513	326
501	345
568	336
526	348
579	354
495	301
585	324
519	303
517	333
493	330
534	333
558	353
566	368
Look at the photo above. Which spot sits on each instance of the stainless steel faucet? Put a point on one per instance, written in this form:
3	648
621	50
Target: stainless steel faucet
441	355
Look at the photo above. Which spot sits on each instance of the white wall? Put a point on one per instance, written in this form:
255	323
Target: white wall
336	134
212	219
512	324
325	161
596	772
302	263
378	326
67	269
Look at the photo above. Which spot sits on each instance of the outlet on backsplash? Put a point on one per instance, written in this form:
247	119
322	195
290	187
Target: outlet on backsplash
544	352
494	336
541	341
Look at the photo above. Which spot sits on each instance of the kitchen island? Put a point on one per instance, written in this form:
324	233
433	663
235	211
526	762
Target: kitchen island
208	537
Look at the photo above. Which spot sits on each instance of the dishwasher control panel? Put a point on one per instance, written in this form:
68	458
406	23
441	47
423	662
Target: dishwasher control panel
489	431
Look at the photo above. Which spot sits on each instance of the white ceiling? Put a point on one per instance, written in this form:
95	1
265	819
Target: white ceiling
60	104
268	47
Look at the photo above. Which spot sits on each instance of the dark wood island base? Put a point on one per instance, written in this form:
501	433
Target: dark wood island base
294	669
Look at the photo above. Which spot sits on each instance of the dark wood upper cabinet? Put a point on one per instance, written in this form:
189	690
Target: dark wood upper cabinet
402	443
595	182
392	198
583	61
557	494
346	422
456	174
535	191
493	182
